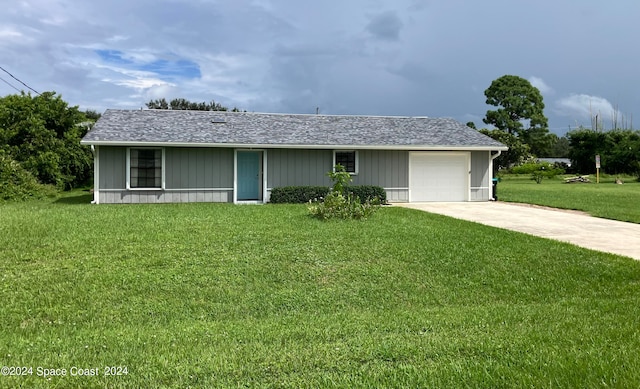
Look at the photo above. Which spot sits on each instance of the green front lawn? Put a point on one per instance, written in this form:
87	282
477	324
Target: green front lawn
217	295
607	200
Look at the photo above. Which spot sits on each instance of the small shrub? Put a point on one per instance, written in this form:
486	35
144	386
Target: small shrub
526	168
18	184
338	206
341	202
340	177
297	194
538	170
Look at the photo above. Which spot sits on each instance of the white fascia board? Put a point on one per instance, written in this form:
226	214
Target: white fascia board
297	146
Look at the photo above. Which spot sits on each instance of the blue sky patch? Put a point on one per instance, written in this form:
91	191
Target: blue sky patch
164	68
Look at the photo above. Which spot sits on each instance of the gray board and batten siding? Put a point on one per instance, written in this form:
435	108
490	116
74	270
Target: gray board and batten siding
199	151
385	168
481	176
190	175
206	174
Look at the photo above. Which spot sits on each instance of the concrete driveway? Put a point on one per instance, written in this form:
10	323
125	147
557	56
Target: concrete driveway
569	226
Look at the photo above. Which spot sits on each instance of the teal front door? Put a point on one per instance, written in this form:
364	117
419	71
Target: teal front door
248	175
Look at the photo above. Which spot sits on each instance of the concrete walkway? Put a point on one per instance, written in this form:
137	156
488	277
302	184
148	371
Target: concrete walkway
569	226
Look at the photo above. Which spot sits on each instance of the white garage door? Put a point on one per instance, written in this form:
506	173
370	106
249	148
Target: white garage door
438	176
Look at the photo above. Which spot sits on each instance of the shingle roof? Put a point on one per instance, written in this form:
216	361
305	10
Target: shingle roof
128	127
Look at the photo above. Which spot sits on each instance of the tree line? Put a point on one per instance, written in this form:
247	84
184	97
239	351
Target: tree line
519	122
40	151
619	151
184	104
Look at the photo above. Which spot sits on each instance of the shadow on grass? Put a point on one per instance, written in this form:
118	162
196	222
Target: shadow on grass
76	198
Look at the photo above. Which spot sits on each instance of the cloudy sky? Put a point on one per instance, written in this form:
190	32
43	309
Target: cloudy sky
373	57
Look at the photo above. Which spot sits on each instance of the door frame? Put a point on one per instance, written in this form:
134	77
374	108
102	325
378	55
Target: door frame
262	181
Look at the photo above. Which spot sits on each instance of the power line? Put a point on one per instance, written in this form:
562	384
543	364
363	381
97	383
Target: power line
12	76
7	82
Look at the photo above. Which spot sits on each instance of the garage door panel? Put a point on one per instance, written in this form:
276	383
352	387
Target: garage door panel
439	176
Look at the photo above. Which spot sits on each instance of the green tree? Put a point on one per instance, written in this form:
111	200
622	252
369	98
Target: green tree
585	144
518	101
42	134
622	152
560	147
518	152
92	115
619	150
184	104
519	113
16	183
158	104
540	141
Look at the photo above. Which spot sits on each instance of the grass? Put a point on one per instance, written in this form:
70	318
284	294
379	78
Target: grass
216	295
606	200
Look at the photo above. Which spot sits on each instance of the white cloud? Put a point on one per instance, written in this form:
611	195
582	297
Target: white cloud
117	38
56	21
166	91
582	106
8	32
139	83
134	79
541	85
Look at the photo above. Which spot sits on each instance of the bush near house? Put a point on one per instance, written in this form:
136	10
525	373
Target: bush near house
304	194
341	202
339	206
42	133
368	193
297	194
18	184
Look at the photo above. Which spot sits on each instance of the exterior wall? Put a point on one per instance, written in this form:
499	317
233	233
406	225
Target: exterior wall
163	196
207	174
480	176
113	167
191	175
385	168
296	167
198	168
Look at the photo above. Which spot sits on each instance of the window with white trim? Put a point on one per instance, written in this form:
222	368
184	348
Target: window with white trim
145	168
348	159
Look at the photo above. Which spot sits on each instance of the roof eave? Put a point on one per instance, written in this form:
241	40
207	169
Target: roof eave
296	146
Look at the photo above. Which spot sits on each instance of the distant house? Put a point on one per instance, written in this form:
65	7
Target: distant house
553	161
164	156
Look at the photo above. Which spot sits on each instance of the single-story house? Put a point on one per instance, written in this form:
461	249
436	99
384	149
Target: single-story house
165	156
